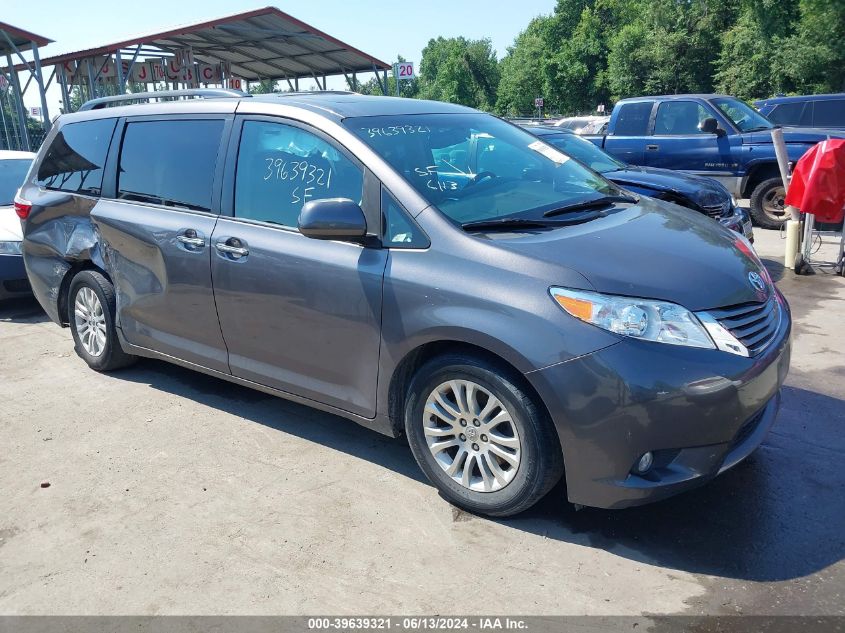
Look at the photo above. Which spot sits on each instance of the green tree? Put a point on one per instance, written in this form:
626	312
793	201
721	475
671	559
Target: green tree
521	70
459	70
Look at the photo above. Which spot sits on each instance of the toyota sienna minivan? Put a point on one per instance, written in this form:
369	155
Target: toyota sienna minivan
516	315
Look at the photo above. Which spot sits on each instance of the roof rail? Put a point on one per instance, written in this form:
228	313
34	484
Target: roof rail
199	93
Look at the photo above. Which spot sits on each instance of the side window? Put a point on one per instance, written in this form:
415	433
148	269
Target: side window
281	167
400	231
632	119
169	162
829	113
789	113
680	118
74	162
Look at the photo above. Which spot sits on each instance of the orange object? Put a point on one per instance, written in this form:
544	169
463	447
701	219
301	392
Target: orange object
818	182
576	307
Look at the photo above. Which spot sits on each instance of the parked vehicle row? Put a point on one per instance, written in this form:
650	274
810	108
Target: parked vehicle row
709	135
584	124
419	268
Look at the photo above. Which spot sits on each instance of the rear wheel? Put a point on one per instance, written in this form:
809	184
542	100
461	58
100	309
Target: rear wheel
479	437
768	204
91	309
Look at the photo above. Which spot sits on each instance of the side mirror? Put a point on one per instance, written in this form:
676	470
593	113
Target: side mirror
711	126
332	219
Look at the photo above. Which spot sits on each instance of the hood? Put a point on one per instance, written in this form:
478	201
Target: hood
705	192
10	225
808	135
650	250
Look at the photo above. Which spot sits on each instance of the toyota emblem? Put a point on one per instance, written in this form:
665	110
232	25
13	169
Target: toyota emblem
757	282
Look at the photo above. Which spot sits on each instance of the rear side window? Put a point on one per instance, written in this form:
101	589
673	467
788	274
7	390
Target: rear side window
170	163
281	167
75	159
796	113
829	113
633	119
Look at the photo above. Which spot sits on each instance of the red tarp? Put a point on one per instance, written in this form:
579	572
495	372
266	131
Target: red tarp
818	182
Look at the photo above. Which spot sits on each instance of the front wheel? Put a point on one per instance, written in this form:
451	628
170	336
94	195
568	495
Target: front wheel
91	310
768	204
479	437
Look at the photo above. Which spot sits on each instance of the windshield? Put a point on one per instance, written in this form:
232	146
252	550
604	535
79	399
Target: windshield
12	173
475	167
583	150
744	117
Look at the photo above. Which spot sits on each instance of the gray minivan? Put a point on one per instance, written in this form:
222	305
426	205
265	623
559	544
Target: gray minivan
521	321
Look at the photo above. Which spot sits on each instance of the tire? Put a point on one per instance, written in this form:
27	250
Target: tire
524	434
92	322
767	206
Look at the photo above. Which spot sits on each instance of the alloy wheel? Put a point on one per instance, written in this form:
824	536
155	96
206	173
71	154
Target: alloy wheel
471	435
90	321
774	204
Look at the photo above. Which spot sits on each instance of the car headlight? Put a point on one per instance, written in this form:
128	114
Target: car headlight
657	321
10	248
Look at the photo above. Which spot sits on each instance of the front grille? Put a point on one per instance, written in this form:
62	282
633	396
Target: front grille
715	210
16	285
752	324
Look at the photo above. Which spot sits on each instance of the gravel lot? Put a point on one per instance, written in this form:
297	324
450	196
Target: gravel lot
175	493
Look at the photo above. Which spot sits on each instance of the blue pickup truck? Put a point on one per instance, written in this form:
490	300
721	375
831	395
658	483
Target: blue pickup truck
709	135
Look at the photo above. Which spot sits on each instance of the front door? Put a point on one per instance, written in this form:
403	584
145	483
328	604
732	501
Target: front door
156	237
298	314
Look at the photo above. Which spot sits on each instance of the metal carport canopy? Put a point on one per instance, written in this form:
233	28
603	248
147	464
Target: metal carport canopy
261	44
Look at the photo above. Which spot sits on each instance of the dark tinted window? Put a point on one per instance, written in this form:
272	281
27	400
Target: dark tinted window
680	118
400	231
796	113
12	173
281	167
74	162
829	113
169	162
633	119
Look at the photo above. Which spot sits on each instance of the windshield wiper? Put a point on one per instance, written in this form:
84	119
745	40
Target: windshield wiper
593	203
759	128
506	224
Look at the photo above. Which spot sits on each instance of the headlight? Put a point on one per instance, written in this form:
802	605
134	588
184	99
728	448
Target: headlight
10	248
656	321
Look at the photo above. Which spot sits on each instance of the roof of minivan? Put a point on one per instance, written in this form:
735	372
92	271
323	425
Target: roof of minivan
686	96
825	97
332	105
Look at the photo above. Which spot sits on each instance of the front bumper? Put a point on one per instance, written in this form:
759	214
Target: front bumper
699	412
13	281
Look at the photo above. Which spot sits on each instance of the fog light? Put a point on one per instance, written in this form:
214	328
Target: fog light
645	463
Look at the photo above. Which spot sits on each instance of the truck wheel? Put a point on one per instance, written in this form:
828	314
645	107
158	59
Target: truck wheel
91	308
768	207
479	438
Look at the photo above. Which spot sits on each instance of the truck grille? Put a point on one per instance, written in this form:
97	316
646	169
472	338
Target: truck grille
752	324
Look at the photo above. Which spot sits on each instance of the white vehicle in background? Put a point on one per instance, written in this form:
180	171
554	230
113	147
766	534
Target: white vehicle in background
585	124
13	168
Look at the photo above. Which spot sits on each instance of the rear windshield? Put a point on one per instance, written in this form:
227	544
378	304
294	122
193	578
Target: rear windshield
12	173
583	150
76	157
475	167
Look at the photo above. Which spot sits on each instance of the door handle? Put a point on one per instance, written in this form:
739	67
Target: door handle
236	251
652	147
190	237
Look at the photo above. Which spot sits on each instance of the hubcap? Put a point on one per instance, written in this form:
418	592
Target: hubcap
471	435
774	204
90	321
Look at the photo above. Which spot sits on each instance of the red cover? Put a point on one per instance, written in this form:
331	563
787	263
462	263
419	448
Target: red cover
818	182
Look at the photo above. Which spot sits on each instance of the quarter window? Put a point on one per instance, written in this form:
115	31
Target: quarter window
679	118
169	162
400	231
632	119
74	162
281	167
829	113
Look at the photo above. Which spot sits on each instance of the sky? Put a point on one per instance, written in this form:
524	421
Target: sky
383	29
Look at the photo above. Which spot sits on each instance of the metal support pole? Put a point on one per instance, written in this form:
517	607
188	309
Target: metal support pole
5	144
65	91
92	89
118	68
396	77
39	78
23	139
